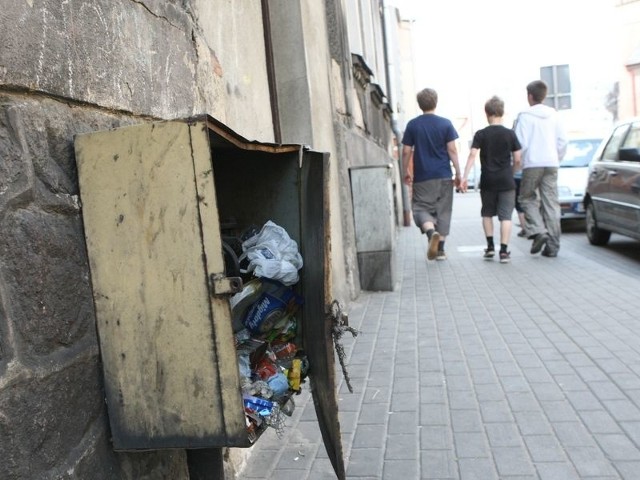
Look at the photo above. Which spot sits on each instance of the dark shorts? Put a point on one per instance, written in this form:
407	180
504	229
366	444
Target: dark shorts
498	203
432	202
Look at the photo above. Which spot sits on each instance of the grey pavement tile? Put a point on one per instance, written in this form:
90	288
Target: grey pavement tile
570	382
402	447
349	402
622	410
307	432
407	385
628	470
365	462
600	421
399	469
513	461
516	383
613	365
438	464
557	366
584	401
402	422
436	438
523	402
529	360
547	392
369	436
321	469
606	391
431	379
493	412
466	421
375	395
544	448
590	462
484	376
560	411
462	400
626	381
632	430
592	374
296	457
490	392
618	447
507	368
537	375
455	368
348	420
503	435
477	469
458	383
434	414
374	414
472	445
532	423
401	402
557	471
433	394
261	463
573	434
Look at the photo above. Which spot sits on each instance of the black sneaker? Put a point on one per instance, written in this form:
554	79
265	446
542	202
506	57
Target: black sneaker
505	257
441	255
549	253
522	233
539	241
489	253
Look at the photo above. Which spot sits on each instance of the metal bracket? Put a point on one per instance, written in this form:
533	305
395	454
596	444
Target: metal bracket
222	285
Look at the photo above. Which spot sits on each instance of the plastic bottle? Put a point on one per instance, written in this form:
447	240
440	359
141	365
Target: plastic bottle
294	374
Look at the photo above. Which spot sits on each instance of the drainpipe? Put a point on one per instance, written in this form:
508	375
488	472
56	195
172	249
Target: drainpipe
390	65
271	73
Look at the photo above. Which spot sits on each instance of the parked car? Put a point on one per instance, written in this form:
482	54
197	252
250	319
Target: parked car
612	199
573	174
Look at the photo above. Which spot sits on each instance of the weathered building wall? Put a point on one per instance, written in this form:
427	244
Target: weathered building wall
68	68
78	66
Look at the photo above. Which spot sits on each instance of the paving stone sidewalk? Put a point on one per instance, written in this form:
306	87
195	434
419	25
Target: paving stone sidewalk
477	370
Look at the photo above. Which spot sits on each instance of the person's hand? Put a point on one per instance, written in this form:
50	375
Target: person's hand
408	179
464	186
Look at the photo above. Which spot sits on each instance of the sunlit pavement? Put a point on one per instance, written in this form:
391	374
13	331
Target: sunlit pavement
472	369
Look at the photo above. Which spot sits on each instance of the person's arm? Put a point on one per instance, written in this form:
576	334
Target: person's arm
467	168
452	150
517	161
407	160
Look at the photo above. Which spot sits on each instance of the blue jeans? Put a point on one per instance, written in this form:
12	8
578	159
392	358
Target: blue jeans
539	201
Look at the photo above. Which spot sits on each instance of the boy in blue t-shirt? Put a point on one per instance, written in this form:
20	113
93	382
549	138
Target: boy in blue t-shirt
429	149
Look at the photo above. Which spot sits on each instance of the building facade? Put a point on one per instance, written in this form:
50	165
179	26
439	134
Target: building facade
304	72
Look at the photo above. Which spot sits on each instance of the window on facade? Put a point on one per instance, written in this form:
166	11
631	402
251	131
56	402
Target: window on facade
558	80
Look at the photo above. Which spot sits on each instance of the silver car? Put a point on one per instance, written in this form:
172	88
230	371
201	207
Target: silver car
612	199
573	174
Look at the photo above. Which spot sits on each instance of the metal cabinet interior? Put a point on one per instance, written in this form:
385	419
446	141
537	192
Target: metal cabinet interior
153	199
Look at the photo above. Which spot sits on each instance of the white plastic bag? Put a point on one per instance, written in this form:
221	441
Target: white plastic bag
272	254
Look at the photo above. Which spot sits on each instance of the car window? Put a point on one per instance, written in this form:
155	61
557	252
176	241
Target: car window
632	139
613	145
579	152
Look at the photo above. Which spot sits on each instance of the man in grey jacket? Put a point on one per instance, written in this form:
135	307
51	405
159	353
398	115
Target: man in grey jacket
544	143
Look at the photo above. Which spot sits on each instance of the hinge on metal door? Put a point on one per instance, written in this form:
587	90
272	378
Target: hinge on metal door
341	325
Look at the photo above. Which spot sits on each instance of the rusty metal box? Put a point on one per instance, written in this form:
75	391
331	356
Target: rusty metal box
153	199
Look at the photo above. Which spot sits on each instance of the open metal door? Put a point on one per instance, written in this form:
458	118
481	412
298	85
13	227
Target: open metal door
317	327
150	223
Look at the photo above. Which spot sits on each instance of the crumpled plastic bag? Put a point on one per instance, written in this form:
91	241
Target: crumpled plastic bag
272	254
